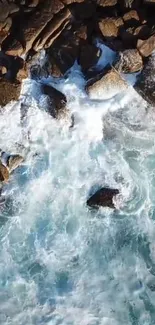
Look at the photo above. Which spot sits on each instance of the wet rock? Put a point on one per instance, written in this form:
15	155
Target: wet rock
146	47
130	61
106	85
64	51
4	173
7	8
8	91
89	56
56	102
103	197
145	84
68	2
109	27
14	161
107	3
12	65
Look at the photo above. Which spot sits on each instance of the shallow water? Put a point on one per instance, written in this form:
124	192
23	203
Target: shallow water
61	263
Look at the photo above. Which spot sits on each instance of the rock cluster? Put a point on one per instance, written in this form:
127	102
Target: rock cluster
67	29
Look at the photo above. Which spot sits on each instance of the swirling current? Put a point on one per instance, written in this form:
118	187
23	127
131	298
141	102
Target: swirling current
60	262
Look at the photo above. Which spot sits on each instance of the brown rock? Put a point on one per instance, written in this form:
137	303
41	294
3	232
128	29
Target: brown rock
103	197
81	32
33	3
131	17
146	47
4	173
145	84
106	86
107	3
56	102
35	25
130	61
109	27
8	92
14	161
53	30
88	57
68	2
6	9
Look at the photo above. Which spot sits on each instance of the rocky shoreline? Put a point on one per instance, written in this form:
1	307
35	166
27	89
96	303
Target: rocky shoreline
67	31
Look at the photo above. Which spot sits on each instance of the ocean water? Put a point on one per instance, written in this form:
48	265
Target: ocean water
61	263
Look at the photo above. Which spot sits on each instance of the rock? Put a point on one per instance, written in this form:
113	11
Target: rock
6	9
106	86
35	25
146	47
8	91
145	84
56	102
109	27
132	4
68	2
81	32
4	173
89	56
14	66
84	10
53	30
130	61
149	2
131	18
103	197
64	51
33	3
106	3
14	161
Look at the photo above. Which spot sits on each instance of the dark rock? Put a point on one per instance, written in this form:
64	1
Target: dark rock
68	2
145	84
146	47
149	2
84	10
89	56
14	66
129	4
8	92
64	51
130	61
103	197
56	102
110	27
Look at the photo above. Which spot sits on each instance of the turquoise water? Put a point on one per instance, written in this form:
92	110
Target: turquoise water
61	263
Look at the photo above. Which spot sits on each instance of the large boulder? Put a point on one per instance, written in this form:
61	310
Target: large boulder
106	86
56	102
145	84
103	198
146	47
130	61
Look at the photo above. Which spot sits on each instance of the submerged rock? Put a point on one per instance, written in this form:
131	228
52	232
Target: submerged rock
145	84
103	197
56	102
106	86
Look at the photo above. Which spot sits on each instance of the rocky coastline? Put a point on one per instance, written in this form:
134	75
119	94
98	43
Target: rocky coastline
67	31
